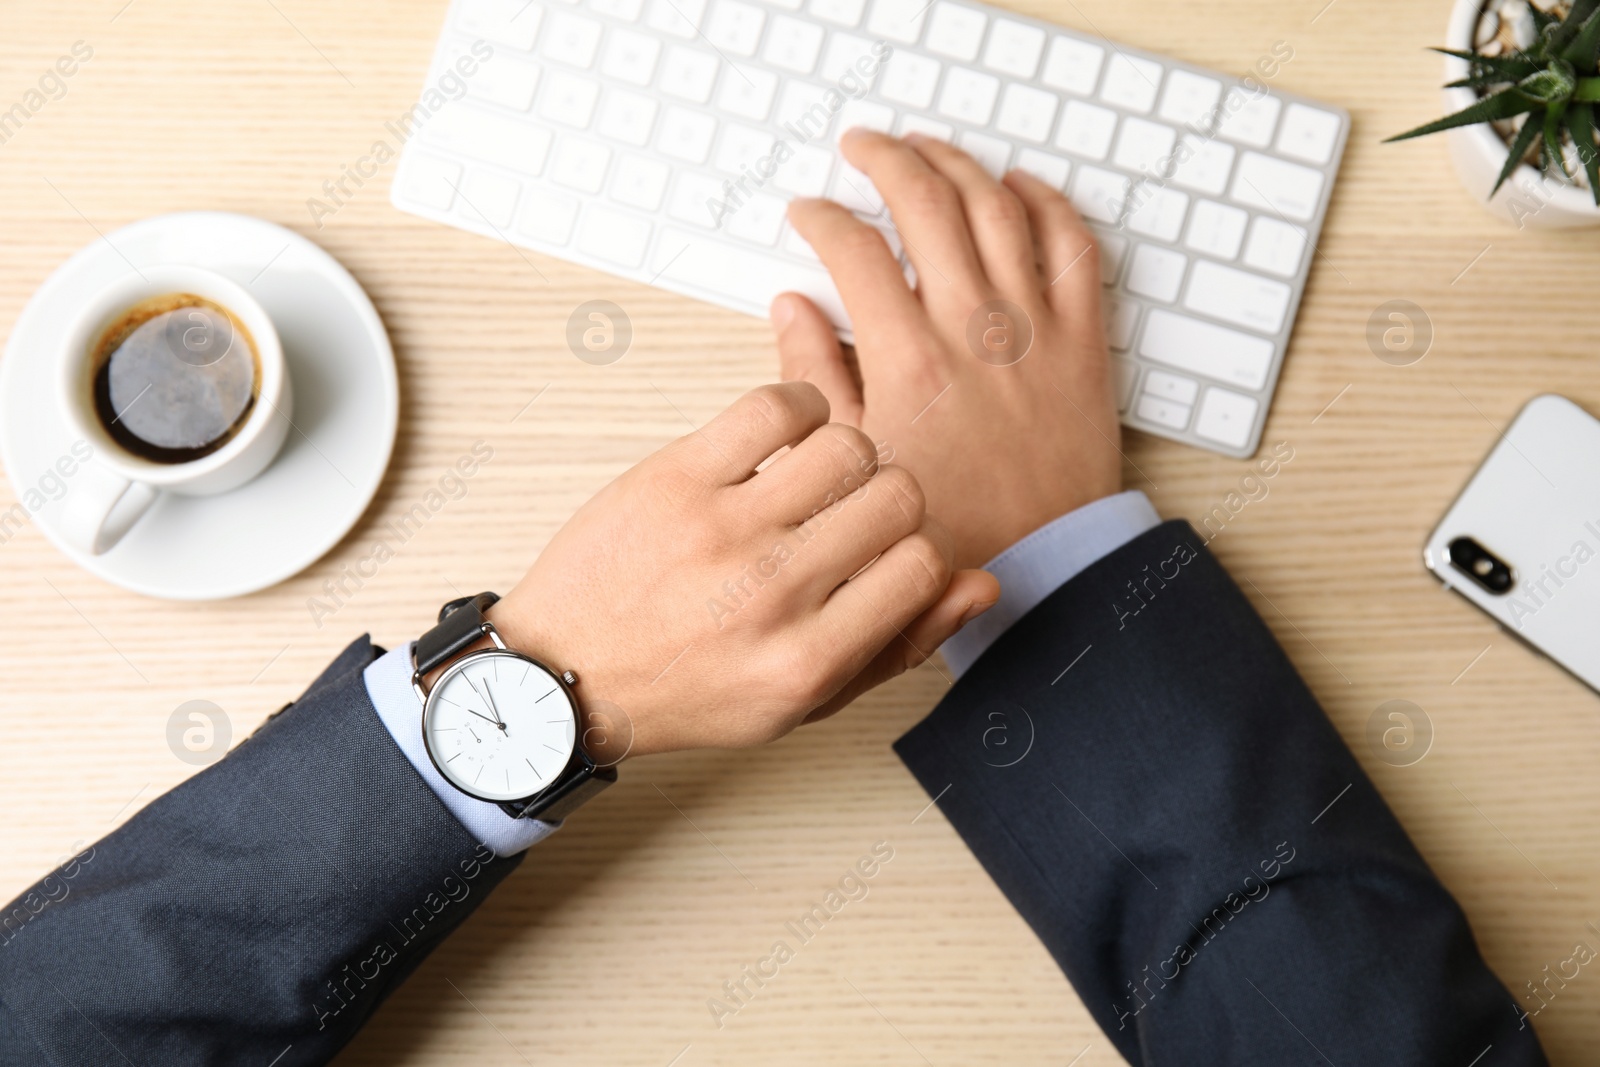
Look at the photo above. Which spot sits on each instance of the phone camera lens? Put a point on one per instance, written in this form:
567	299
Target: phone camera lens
1481	565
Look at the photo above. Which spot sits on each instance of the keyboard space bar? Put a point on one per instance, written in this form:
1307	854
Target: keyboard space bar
747	279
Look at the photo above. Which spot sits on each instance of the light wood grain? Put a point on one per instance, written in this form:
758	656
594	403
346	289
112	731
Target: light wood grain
606	945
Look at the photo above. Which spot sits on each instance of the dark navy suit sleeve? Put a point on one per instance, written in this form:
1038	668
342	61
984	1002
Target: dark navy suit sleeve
269	903
1142	772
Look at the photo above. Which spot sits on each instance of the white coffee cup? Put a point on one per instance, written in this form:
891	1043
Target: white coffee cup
118	487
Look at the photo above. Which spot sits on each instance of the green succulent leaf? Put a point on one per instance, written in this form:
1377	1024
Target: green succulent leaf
1585	45
1572	24
1508	103
1552	136
1580	121
1519	148
1513	67
1588	90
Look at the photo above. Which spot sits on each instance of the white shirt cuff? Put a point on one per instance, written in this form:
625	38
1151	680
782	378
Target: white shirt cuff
1044	561
388	681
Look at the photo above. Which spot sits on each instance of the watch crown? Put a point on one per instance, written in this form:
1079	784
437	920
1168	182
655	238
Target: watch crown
569	677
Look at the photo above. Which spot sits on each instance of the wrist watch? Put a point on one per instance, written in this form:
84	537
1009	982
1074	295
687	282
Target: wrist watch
498	725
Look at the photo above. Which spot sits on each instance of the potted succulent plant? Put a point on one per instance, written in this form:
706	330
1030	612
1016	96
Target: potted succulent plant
1523	88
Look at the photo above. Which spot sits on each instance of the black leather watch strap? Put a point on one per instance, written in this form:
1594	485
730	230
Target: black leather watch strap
460	624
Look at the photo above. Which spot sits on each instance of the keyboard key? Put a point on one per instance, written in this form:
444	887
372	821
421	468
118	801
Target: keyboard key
1099	194
627	117
968	96
844	55
430	181
855	191
493	138
1052	170
1014	48
681	18
759	219
513	23
547	216
1122	317
1203	348
840	12
580	164
613	236
897	20
991	153
1113	250
1275	247
863	114
1072	66
1027	113
490	198
806	172
794	243
640	182
686	134
569	99
1227	417
749	277
939	131
1172	387
909	79
804	108
741	147
1190	99
1202	164
1282	188
571	39
1166	413
688	75
505	82
1156	211
1237	296
630	57
626	10
1145	147
747	92
1216	229
793	45
1248	117
1156	273
1131	82
735	27
1308	133
1086	130
699	199
1125	376
787	5
955	31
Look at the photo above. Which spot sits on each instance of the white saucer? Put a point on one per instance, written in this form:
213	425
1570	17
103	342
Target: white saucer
346	410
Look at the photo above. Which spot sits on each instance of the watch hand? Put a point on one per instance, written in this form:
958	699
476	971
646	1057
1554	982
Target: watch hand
485	718
490	701
489	693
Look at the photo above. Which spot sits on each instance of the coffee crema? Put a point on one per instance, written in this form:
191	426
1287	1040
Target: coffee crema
175	378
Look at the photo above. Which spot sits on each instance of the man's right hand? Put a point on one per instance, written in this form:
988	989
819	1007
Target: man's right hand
720	606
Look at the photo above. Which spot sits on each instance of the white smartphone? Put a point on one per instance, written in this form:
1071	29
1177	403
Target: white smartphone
1522	541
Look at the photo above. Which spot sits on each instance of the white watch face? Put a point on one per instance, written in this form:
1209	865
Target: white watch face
499	726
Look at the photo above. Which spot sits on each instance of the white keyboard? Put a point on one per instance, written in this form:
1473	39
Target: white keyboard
607	132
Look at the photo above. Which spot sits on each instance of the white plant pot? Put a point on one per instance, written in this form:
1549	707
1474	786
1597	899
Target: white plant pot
1527	198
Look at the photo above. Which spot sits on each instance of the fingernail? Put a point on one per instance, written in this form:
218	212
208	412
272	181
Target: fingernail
782	312
915	137
973	611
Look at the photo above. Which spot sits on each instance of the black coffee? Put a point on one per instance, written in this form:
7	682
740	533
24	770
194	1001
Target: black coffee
176	377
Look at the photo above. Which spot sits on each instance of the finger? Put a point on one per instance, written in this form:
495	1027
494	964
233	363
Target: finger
998	221
854	530
834	462
875	293
731	446
809	351
970	594
1068	254
926	207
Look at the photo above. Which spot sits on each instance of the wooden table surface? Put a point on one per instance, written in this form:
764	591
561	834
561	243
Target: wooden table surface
606	945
